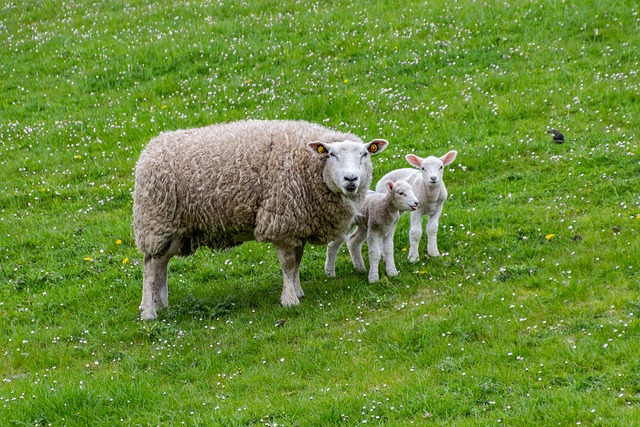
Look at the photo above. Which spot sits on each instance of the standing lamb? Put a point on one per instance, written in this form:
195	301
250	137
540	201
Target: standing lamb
285	182
432	193
377	224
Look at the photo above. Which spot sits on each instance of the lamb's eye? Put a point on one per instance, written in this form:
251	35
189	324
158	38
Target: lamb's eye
333	155
441	167
401	193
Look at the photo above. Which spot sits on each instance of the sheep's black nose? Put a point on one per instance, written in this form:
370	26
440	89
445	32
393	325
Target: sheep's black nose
351	178
434	179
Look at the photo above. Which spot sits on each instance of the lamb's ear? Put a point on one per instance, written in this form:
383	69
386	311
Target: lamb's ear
377	146
318	148
414	160
449	157
389	185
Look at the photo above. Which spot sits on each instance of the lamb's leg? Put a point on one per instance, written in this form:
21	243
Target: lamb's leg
387	253
330	261
375	243
289	263
354	244
432	233
415	234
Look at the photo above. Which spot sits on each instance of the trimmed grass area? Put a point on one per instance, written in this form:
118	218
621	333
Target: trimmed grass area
530	318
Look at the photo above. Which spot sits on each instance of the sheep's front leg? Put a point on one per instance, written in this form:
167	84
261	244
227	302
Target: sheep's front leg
432	233
354	244
330	262
290	258
387	254
415	234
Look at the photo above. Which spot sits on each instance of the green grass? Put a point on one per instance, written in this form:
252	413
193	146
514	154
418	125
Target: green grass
529	319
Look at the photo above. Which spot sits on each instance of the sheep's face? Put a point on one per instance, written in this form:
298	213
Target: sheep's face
347	169
432	167
404	199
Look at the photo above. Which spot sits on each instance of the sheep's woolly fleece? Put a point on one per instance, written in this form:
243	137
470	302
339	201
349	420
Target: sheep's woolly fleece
220	185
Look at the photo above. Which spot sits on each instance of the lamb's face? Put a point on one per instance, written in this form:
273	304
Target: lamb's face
404	199
348	166
432	170
432	167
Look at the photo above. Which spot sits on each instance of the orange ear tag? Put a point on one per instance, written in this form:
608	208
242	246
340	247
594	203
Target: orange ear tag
321	149
373	148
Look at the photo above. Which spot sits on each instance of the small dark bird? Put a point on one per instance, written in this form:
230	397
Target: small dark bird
558	137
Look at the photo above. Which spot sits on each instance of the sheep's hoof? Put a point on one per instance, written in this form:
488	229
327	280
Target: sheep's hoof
414	257
289	301
373	279
392	273
148	314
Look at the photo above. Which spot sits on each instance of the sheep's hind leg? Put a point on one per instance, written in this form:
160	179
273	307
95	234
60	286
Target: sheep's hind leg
155	293
330	261
290	258
354	244
374	243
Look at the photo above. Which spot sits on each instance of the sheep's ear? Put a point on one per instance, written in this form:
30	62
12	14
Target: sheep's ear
390	185
449	157
414	160
377	146
318	148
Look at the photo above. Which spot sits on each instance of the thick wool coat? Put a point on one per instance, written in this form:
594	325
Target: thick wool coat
224	184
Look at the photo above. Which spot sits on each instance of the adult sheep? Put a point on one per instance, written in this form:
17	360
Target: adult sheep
284	182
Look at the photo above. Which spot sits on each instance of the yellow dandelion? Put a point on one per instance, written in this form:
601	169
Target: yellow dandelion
404	249
118	242
87	259
346	80
164	106
77	156
549	236
126	260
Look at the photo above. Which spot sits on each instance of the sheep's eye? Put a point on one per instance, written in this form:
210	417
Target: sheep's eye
441	167
333	155
401	193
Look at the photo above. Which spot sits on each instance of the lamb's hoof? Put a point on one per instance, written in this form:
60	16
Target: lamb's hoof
414	257
330	274
373	279
434	254
393	273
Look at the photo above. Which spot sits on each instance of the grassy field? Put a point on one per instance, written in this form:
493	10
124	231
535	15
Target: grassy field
530	317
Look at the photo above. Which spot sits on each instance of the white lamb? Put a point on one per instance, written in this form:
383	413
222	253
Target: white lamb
285	182
429	187
376	224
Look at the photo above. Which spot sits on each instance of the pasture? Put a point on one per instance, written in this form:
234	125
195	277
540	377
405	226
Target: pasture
529	318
